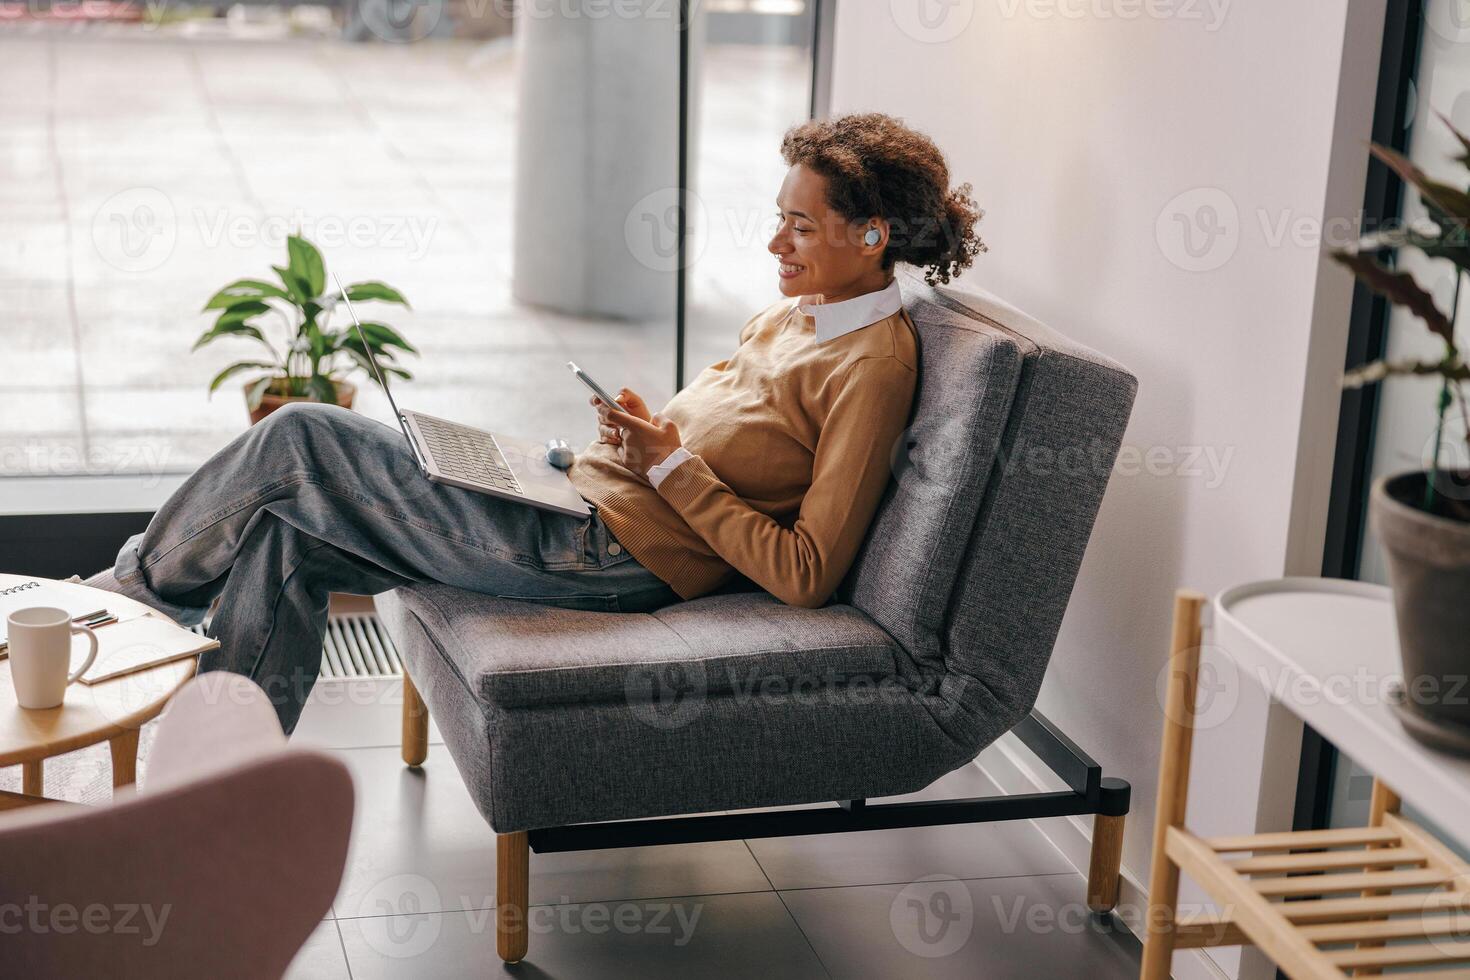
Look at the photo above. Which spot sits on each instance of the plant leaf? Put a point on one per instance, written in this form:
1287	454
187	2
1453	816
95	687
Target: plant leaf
232	322
244	291
1461	137
387	369
306	265
1376	371
1450	200
322	389
1455	245
350	342
236	368
382	335
230	330
316	341
1400	288
361	291
257	391
297	289
239	313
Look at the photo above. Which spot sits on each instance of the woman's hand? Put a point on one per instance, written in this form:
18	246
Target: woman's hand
628	400
643	440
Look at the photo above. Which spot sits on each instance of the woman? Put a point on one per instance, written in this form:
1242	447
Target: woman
770	464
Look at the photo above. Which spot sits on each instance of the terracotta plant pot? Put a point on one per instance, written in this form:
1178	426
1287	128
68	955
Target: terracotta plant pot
1429	569
270	402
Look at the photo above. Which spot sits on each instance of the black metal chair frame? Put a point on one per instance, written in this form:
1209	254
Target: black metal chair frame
1088	792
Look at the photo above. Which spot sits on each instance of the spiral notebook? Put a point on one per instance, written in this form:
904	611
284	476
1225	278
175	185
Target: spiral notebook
79	601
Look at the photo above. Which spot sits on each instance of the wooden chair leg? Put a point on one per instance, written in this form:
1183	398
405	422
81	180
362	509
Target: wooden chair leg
1106	864
415	724
33	777
512	894
124	749
1179	705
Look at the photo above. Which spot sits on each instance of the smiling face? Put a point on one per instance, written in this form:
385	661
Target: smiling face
822	253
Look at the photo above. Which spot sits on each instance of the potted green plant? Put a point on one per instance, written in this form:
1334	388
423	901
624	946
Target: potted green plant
1423	517
313	362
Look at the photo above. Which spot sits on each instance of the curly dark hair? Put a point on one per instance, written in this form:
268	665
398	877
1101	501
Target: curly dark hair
877	166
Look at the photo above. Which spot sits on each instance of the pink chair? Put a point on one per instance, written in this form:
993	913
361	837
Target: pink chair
221	865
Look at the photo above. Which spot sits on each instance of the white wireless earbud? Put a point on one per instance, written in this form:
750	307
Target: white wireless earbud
873	237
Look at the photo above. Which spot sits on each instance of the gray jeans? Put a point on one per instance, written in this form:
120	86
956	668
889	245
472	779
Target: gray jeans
317	499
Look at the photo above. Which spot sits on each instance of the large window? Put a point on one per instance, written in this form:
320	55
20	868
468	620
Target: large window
459	152
736	165
1390	428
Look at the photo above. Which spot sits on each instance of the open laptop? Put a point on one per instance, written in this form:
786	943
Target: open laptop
487	462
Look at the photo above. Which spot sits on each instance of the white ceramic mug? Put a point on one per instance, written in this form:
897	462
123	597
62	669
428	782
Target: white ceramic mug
40	653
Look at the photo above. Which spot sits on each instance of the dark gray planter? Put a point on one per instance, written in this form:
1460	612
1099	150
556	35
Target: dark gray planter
1429	569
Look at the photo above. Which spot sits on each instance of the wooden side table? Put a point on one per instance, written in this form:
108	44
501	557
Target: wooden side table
1323	904
113	711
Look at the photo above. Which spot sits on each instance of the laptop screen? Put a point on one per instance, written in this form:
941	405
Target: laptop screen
382	379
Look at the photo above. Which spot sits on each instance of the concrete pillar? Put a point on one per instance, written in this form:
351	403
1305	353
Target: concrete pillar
597	156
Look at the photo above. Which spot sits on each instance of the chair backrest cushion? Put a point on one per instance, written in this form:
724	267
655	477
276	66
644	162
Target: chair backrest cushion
972	556
905	572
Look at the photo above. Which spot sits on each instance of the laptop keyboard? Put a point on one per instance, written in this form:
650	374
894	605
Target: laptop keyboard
467	454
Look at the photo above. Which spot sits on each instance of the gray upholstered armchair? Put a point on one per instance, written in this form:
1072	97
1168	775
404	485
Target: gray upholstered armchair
934	646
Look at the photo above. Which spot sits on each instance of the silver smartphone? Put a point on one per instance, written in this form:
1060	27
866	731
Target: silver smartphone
596	388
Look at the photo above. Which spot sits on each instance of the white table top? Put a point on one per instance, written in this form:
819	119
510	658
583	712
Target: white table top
1327	649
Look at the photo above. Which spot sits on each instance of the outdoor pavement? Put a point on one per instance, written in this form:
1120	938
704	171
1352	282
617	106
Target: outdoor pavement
141	170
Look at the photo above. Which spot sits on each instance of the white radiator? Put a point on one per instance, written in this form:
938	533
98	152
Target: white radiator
356	645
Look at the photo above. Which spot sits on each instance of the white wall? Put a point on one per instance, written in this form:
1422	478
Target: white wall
1080	133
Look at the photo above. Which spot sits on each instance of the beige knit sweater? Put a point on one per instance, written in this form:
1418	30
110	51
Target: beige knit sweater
792	442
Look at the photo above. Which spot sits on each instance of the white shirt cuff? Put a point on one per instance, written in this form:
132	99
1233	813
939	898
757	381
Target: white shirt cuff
658	471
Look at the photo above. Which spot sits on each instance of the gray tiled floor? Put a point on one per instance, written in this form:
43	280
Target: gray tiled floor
997	928
225	143
996	901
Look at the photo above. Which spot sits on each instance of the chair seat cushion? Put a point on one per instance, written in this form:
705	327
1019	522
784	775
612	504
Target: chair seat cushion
519	654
